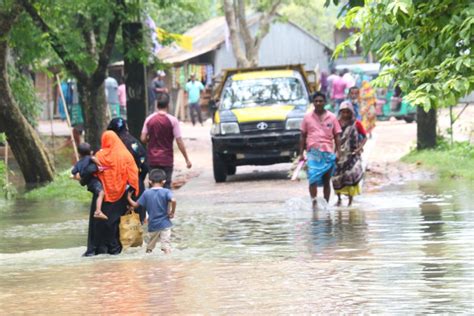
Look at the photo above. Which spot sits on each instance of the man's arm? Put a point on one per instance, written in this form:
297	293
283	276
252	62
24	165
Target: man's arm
182	149
337	140
144	138
302	145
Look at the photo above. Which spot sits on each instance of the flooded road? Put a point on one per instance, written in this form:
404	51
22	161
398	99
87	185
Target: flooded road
252	245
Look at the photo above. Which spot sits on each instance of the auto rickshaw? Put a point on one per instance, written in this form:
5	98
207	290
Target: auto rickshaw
392	104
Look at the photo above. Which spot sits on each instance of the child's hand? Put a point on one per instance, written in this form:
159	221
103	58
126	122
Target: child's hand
170	214
96	161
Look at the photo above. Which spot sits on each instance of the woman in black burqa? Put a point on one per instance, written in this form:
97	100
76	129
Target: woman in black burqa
138	151
119	174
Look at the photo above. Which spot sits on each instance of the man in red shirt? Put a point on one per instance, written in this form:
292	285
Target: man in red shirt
159	132
320	131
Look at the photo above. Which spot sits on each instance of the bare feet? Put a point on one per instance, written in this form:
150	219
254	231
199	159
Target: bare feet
149	251
166	251
100	215
339	202
350	201
314	204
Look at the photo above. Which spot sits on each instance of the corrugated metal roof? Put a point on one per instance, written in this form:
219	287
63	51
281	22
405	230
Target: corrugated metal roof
207	37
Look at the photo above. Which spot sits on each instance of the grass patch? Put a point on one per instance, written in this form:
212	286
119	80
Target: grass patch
456	161
62	188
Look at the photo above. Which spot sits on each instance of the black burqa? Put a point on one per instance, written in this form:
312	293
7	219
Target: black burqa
103	236
138	151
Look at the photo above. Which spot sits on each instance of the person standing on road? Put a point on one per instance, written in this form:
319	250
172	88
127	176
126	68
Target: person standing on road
320	135
157	88
193	89
159	131
111	95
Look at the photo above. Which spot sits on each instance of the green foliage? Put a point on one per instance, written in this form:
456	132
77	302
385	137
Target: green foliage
24	94
180	15
62	188
456	161
7	190
313	17
2	138
425	46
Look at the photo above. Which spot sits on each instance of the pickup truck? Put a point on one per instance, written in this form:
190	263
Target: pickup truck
257	117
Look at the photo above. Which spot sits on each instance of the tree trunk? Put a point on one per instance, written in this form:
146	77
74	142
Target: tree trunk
134	78
30	153
234	34
239	31
92	99
426	128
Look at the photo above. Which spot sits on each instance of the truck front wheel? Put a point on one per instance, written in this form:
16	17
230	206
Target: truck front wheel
231	170
219	167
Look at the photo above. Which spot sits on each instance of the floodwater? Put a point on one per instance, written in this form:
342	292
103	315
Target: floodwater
406	249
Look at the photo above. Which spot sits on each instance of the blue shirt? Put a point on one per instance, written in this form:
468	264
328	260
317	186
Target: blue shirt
155	201
194	91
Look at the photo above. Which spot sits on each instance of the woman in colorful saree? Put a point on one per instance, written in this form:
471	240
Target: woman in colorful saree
368	102
349	170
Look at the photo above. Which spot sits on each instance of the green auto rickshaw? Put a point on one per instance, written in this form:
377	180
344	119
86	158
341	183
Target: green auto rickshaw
393	104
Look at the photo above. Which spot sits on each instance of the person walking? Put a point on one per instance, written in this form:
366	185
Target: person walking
119	173
349	169
339	86
157	88
368	111
138	151
193	89
160	205
159	132
320	135
122	97
354	98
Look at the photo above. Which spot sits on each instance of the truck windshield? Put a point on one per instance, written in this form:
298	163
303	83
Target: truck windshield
263	91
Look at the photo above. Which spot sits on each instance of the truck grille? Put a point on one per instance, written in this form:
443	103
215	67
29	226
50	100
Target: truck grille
270	126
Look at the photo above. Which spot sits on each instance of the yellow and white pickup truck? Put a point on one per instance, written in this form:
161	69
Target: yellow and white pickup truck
258	117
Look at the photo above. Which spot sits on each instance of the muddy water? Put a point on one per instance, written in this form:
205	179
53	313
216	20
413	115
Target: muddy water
406	249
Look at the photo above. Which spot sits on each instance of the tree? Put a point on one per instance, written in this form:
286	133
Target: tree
82	34
22	138
313	17
426	48
239	30
180	15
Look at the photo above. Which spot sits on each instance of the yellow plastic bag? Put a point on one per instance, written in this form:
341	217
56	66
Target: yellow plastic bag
131	231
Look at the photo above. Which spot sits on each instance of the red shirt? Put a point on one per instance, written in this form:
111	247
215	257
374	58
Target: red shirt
360	128
162	129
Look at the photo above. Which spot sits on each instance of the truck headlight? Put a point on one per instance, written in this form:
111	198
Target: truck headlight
216	129
230	128
293	123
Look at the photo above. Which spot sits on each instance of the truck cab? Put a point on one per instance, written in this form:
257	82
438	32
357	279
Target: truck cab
258	117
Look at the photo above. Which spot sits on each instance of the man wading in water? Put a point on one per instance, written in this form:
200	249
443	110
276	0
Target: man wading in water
320	131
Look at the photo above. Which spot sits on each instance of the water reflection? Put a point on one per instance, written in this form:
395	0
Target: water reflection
338	231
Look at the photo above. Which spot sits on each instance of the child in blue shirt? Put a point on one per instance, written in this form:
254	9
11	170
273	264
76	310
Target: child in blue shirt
160	206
